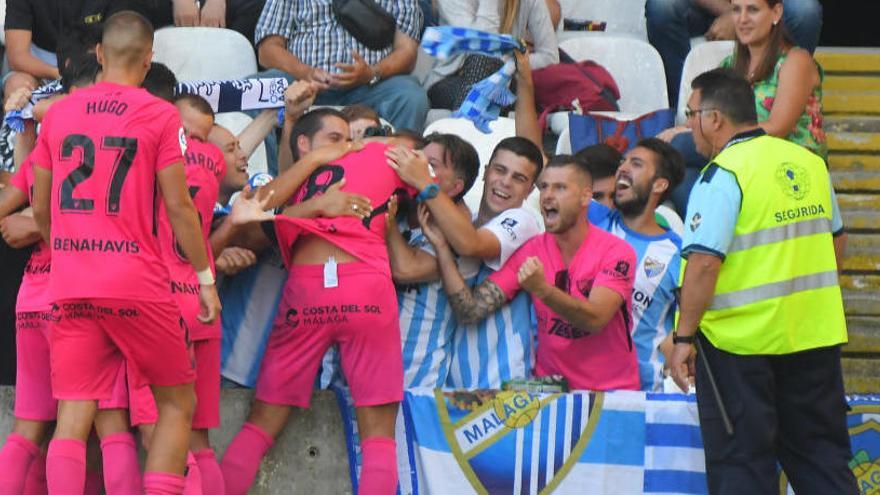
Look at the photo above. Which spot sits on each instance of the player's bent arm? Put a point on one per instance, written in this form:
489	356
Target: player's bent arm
42	200
20	230
460	233
11	199
592	314
182	215
697	290
279	191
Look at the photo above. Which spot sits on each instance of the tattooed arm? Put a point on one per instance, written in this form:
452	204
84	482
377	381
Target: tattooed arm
468	306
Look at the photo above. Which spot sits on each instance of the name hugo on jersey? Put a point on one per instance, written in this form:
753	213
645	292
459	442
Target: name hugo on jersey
114	107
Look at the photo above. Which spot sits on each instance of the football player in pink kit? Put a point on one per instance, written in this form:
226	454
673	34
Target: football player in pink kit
103	156
35	407
580	279
331	261
22	464
205	168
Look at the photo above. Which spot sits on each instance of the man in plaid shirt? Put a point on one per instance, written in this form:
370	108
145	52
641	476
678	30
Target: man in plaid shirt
303	39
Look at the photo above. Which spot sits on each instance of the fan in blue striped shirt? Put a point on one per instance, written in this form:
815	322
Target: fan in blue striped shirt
646	176
426	321
499	348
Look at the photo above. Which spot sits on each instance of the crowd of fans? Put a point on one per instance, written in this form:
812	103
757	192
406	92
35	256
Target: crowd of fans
479	298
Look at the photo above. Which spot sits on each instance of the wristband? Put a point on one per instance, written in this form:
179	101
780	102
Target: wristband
681	339
206	276
429	192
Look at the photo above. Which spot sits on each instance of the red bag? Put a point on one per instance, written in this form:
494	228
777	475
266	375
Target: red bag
558	86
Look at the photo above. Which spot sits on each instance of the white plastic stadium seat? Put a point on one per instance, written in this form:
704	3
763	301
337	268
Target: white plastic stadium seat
622	17
201	53
702	57
484	143
634	64
236	122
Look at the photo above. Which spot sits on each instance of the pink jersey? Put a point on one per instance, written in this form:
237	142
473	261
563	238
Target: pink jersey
603	361
33	294
205	168
104	145
367	173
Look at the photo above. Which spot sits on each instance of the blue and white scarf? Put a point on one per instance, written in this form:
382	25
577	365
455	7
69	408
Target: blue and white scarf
223	96
238	95
486	99
15	119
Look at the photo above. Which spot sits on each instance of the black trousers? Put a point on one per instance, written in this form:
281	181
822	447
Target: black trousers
786	408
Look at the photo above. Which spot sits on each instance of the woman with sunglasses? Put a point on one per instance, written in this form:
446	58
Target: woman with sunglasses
786	80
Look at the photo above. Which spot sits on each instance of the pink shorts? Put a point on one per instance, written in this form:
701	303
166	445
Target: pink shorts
360	315
33	385
207	388
90	339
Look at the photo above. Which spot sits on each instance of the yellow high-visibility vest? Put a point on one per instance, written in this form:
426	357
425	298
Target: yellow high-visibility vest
777	290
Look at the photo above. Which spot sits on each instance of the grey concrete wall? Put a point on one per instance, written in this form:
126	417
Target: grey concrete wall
309	457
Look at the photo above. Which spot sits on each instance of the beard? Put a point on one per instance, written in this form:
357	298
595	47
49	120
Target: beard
636	205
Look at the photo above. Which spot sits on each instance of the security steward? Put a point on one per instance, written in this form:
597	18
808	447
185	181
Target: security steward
760	298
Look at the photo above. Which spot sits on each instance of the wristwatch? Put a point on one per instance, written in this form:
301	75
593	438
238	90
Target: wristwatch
429	192
680	339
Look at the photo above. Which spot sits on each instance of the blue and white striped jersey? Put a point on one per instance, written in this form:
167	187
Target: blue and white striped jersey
659	262
426	326
250	300
501	347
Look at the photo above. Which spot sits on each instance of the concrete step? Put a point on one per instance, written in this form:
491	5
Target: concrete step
861	294
864	335
862	253
860	211
852	123
849	60
856	180
860	375
852	102
854	141
839	82
849	161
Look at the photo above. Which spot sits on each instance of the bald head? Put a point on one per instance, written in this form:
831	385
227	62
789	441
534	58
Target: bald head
127	42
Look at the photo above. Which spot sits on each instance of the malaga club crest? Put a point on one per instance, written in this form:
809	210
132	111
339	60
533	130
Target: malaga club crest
653	267
864	434
537	437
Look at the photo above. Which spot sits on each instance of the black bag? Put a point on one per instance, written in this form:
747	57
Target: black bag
369	23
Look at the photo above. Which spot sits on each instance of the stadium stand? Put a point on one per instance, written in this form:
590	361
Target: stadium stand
702	57
635	66
211	53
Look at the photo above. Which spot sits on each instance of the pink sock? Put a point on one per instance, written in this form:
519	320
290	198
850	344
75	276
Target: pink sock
212	477
379	471
122	474
193	484
242	459
36	477
15	461
163	483
66	466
